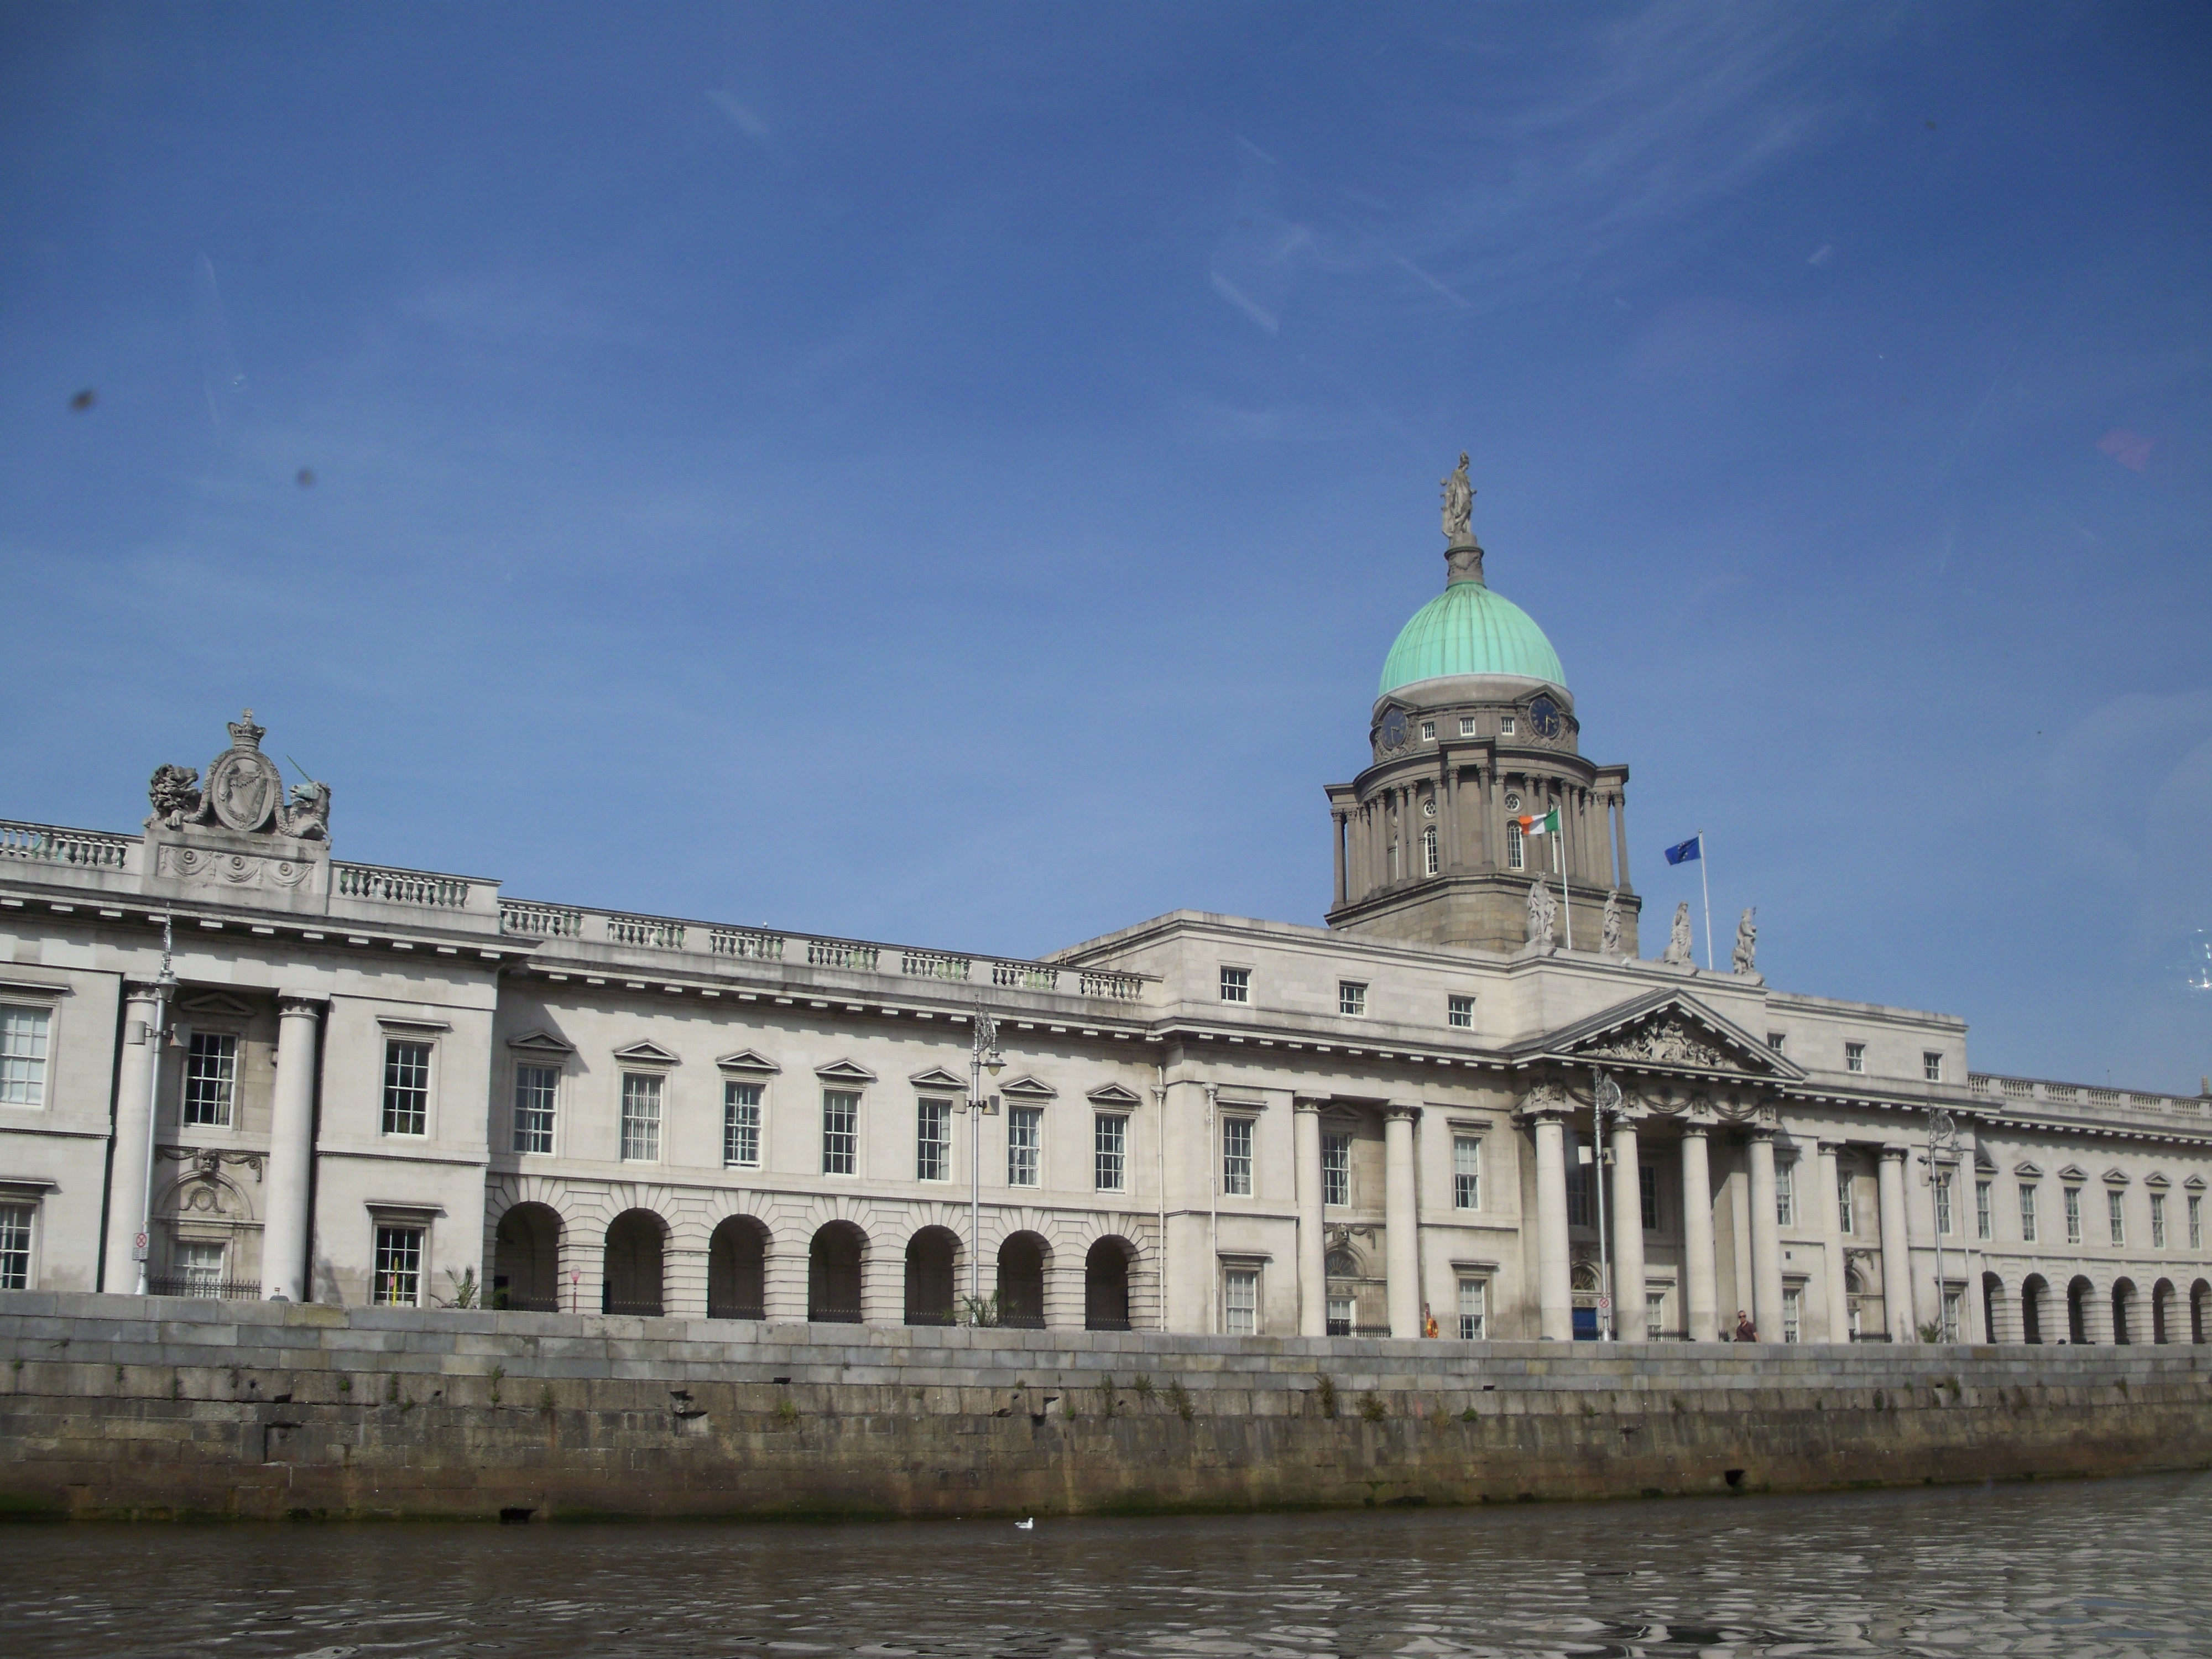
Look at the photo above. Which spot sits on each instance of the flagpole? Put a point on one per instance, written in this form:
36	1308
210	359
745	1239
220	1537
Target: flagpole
1705	885
1559	869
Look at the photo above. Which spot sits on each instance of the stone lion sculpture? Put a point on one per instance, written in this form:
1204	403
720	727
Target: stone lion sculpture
174	793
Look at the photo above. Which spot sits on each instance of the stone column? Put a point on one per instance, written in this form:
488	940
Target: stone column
1313	1267
1454	855
1765	1239
1065	1304
583	1259
1620	834
1627	1236
1555	1292
883	1282
783	1278
683	1280
1336	849
1896	1250
1401	1220
126	1183
1700	1288
1831	1244
1611	859
284	1240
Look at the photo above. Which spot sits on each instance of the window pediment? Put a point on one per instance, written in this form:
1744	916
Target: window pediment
1113	1094
844	1070
2027	1171
748	1060
646	1053
2116	1177
2157	1181
2195	1184
541	1042
938	1078
1029	1088
2073	1172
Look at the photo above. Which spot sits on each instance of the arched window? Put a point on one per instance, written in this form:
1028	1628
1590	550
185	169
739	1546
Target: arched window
929	1276
1430	863
833	1274
527	1260
2031	1308
1513	845
632	1281
1106	1287
1021	1281
737	1269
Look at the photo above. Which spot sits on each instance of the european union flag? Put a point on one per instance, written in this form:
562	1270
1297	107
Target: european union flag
1692	849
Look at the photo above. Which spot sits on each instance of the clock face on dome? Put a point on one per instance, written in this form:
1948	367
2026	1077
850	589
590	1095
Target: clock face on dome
1544	718
1392	734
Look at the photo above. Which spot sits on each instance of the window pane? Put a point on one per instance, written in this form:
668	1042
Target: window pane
200	1265
1467	1172
1844	1207
533	1107
932	1131
1785	1194
641	1117
15	1247
1460	1011
1793	1315
1236	1157
2027	1215
210	1078
406	1087
399	1267
1473	1309
2158	1221
1236	985
2113	1214
741	1123
1336	1169
841	1131
1944	1204
1984	1226
1025	1130
1351	998
23	1056
2073	1215
1647	1181
1240	1302
1110	1136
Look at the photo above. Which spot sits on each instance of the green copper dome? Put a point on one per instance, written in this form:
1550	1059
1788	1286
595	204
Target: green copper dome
1468	629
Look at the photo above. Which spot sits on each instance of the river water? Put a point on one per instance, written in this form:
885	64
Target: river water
2117	1567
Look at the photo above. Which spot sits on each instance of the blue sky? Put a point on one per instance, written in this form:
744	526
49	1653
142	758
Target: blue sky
950	475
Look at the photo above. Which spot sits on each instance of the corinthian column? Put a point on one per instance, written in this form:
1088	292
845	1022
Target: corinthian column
1701	1288
1765	1240
1313	1270
133	1141
1627	1237
1555	1292
291	1151
1831	1246
1401	1220
1336	847
1896	1249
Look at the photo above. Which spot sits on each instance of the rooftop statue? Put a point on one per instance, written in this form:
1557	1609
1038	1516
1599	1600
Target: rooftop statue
1543	914
1609	942
1679	951
1459	506
1747	944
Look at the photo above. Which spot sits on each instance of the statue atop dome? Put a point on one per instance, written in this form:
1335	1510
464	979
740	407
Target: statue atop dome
1459	506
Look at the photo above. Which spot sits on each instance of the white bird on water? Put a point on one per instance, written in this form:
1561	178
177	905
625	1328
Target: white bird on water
1028	1525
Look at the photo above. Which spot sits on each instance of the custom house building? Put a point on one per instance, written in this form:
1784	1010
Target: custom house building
233	1066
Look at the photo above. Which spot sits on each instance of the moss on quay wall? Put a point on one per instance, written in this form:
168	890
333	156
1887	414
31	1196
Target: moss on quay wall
113	1407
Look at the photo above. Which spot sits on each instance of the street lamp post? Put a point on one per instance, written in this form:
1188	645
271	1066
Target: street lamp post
1943	1143
983	1056
1605	1104
165	989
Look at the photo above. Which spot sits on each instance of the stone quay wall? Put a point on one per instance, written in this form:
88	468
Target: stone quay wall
117	1406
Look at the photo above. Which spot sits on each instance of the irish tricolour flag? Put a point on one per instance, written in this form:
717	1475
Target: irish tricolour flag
1544	824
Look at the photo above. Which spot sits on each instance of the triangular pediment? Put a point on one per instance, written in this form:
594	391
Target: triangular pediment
2116	1177
1665	1031
1029	1088
2195	1184
2156	1179
748	1060
1113	1094
844	1070
646	1053
936	1078
540	1042
2073	1172
2029	1171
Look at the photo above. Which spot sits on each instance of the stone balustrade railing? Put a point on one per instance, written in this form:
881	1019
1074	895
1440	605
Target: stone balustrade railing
45	843
416	887
526	919
2016	1092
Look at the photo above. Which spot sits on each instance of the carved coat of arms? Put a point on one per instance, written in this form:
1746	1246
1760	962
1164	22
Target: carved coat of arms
1667	1042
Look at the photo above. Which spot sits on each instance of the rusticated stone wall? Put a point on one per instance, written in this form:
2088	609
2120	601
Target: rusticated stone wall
118	1406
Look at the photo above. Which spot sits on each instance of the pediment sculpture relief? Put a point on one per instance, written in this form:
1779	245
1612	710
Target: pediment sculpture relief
1668	1041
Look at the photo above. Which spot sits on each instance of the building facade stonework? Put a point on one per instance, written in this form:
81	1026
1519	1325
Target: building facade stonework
232	1065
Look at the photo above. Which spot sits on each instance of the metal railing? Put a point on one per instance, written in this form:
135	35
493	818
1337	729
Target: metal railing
722	1308
508	1302
207	1290
615	1305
